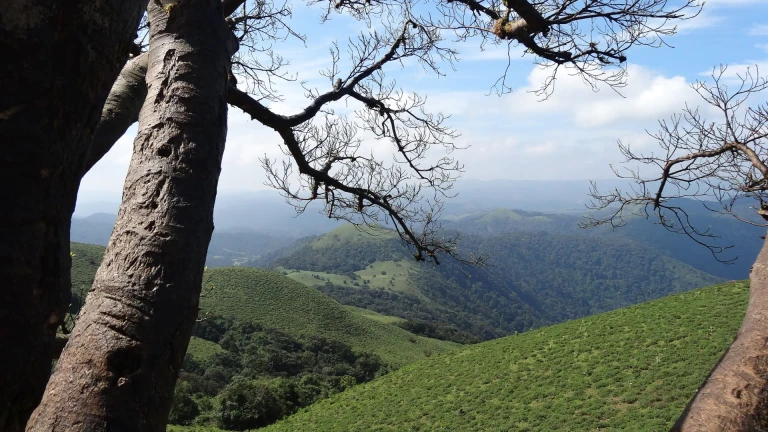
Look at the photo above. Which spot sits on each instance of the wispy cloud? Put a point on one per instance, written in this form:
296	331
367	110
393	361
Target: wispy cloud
759	30
731	3
704	20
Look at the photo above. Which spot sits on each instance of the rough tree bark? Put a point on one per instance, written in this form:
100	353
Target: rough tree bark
58	61
120	366
126	98
733	396
121	108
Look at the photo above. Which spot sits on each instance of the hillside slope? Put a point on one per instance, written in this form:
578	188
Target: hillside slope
632	369
533	279
267	298
731	232
272	300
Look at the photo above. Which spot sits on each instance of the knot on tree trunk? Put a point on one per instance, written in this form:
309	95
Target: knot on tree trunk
506	30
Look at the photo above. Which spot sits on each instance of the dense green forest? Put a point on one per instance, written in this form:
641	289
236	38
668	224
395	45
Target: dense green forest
727	231
259	375
633	369
532	279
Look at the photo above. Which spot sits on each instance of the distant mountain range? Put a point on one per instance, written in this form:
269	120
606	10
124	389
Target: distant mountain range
255	229
744	238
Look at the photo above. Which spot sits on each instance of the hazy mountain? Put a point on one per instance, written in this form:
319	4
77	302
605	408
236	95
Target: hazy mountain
260	211
744	238
262	223
239	246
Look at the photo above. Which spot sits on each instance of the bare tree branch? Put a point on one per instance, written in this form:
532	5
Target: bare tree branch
720	163
589	37
327	156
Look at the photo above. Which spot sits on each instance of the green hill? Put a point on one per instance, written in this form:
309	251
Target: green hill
86	259
632	369
272	300
275	301
729	231
533	279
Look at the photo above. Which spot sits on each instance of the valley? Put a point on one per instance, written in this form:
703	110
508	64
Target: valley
344	321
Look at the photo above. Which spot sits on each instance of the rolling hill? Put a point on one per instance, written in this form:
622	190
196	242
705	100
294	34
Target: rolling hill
533	279
632	369
744	238
274	301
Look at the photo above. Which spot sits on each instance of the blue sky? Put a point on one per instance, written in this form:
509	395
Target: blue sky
572	135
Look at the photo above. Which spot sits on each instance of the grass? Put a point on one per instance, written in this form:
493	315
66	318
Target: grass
273	300
349	233
174	428
385	275
202	350
632	369
386	319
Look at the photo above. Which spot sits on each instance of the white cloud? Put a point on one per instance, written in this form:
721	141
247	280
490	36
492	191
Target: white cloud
759	30
109	173
731	3
572	135
704	20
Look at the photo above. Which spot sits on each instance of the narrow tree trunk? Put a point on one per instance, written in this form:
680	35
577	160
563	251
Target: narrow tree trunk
120	366
121	109
58	61
735	395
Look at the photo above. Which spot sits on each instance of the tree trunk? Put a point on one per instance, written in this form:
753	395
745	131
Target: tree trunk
125	100
58	61
121	109
120	366
734	396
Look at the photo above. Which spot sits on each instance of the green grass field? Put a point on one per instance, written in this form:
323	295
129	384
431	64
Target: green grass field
632	369
386	275
351	234
273	300
201	349
386	319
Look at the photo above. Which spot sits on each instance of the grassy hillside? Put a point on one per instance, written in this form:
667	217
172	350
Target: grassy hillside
533	279
275	301
202	350
86	259
632	369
